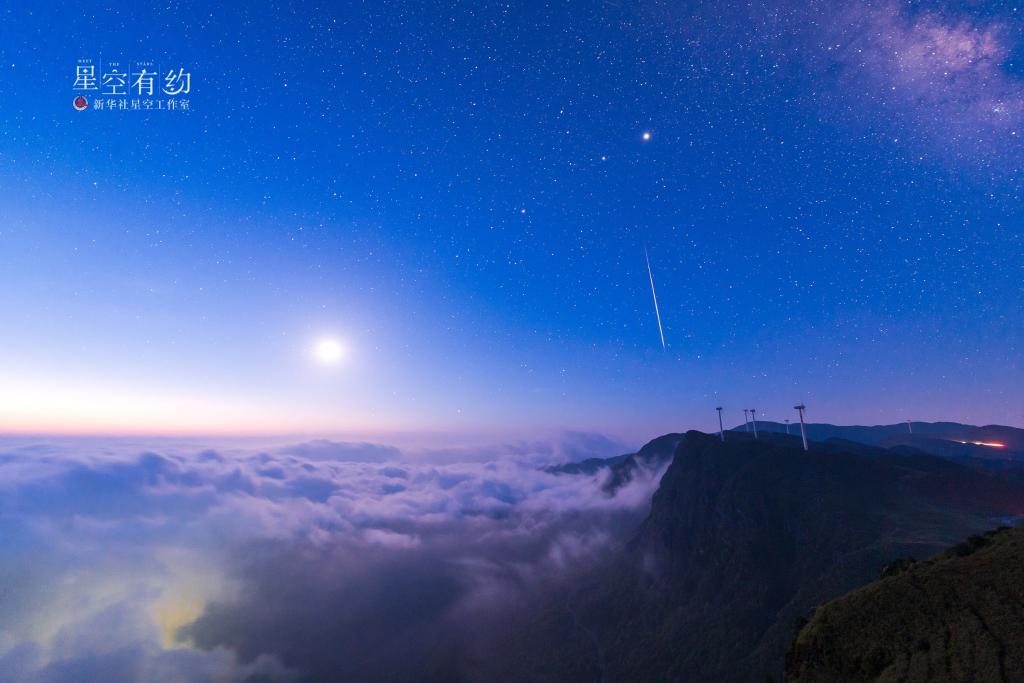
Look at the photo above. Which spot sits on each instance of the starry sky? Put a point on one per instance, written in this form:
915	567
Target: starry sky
461	195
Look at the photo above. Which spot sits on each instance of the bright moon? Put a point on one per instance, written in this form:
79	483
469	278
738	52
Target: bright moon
329	351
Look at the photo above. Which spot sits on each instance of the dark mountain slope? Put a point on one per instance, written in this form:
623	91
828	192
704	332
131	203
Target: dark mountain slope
743	538
622	468
588	466
653	456
957	617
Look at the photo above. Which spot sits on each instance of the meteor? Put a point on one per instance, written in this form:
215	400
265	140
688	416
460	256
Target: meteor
657	313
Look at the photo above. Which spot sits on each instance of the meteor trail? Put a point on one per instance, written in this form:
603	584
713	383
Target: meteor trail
654	294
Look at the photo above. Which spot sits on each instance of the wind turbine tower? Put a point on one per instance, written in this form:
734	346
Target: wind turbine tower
746	420
721	429
909	428
803	433
753	418
787	427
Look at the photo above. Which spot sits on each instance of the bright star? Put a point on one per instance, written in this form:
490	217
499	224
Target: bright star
646	135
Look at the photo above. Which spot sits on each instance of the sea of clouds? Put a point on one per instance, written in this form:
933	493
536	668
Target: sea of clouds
314	561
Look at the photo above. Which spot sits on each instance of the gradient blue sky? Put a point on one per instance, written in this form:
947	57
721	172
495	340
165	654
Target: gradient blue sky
831	199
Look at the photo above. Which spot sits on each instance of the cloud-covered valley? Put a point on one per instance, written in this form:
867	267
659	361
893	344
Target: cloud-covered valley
314	561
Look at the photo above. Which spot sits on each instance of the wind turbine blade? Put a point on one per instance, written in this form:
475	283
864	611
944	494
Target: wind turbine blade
654	295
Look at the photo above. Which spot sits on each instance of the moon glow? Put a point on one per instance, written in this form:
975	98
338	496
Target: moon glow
329	351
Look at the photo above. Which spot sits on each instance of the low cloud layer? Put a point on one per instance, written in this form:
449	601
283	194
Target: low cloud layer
317	561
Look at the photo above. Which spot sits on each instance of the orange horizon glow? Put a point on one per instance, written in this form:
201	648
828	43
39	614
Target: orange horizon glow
33	407
169	418
990	444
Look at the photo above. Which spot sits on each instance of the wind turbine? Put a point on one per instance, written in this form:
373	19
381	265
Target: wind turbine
746	420
801	408
721	429
909	428
787	427
753	418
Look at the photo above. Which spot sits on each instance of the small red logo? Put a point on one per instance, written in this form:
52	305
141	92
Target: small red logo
80	103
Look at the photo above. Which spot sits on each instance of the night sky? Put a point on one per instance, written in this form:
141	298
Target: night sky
460	195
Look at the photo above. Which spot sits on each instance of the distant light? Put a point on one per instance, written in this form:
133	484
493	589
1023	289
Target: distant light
990	444
329	351
646	135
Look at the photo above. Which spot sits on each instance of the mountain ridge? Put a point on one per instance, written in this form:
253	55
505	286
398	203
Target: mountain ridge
947	439
743	539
